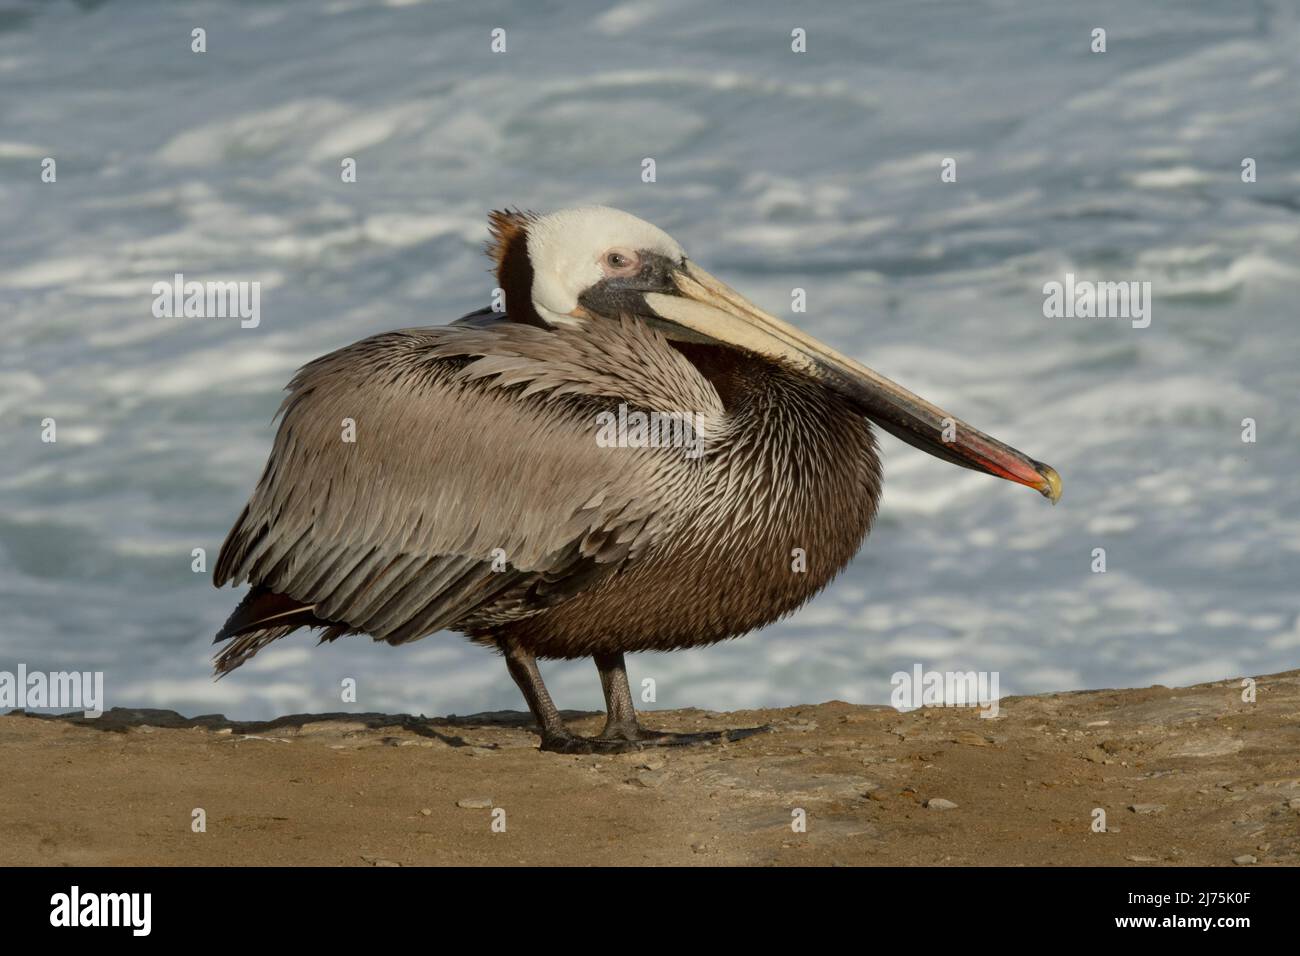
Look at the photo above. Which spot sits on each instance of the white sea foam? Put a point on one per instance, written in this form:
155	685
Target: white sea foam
775	170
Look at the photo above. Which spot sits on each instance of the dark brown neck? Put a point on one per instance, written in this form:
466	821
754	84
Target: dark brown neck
804	427
730	371
515	276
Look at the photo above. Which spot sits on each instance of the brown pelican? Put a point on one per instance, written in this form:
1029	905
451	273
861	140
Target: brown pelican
476	493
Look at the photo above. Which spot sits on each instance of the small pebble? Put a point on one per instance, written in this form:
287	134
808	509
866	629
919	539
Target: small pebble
1244	860
475	803
1147	807
939	803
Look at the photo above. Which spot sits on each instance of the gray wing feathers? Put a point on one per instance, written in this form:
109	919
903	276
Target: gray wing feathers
473	443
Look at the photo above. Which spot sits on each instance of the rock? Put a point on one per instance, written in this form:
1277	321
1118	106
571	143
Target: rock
686	806
311	727
651	779
1201	745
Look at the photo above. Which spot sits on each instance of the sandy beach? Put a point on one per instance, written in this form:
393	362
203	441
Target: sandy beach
1184	776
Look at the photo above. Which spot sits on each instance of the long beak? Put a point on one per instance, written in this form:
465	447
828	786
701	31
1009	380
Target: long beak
709	310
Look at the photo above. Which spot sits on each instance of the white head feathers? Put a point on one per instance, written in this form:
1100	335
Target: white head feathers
566	247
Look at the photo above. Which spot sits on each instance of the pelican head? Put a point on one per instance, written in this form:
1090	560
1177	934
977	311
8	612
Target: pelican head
595	263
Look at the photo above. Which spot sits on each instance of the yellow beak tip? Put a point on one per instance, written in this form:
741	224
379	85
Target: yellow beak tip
1051	488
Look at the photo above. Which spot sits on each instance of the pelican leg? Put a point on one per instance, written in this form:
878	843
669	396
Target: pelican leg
522	665
556	737
622	733
620	716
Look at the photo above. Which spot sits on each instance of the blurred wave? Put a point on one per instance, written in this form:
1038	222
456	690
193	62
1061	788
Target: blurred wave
775	170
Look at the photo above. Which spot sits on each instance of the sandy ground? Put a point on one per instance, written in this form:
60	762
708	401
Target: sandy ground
1188	776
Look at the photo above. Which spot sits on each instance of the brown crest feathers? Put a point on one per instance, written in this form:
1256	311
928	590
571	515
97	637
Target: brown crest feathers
514	270
507	226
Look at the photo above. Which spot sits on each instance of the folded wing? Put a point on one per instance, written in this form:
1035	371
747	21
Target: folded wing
446	477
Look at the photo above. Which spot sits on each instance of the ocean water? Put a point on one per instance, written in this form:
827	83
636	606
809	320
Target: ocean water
775	170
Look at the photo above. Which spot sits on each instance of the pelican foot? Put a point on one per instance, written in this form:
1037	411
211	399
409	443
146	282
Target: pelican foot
663	738
626	740
573	744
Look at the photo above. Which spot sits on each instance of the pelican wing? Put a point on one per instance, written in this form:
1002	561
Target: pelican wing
451	476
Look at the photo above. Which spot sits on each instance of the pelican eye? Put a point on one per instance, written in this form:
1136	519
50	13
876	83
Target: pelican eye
620	262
